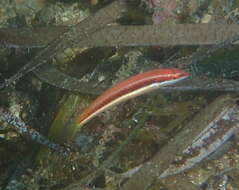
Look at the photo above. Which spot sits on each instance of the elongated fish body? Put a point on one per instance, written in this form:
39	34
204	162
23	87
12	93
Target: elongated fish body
130	88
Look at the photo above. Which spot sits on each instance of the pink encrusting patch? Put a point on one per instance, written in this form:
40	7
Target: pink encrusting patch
166	10
129	85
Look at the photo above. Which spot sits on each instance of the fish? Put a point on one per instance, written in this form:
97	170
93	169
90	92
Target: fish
132	87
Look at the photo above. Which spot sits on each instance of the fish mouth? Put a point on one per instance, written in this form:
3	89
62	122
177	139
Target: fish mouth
170	82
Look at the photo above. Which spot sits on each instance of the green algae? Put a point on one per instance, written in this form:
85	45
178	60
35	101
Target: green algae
63	128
